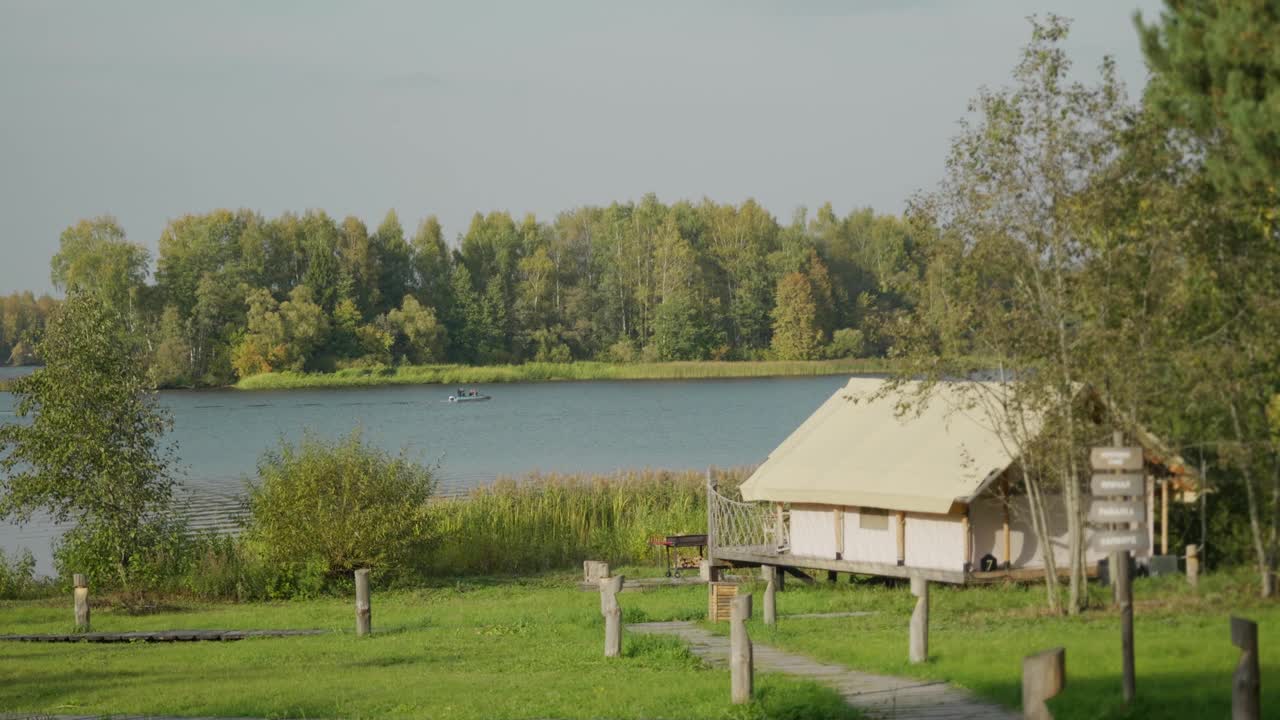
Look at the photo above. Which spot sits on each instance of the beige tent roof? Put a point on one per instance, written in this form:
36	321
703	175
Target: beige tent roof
863	454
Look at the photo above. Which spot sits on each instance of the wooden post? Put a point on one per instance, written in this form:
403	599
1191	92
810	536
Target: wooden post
1124	586
609	589
1246	684
1124	593
781	524
711	520
363	612
1164	517
902	538
1043	676
770	588
741	663
968	540
1193	565
919	650
80	594
839	522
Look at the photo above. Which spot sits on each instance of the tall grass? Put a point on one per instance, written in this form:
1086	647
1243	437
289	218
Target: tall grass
534	372
543	522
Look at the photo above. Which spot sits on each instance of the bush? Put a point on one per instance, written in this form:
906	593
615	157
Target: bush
17	575
341	504
159	557
846	343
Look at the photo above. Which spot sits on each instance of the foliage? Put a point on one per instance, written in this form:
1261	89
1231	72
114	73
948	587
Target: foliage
22	320
161	552
796	334
91	451
17	575
344	503
94	257
1217	72
237	294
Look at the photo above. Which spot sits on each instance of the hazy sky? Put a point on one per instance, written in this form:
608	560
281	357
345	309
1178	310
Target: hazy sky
148	110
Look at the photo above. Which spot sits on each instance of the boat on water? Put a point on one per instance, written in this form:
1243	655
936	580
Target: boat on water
471	396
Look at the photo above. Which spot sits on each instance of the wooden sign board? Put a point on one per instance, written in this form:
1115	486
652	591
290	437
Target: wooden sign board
1103	485
1119	540
1116	458
1117	511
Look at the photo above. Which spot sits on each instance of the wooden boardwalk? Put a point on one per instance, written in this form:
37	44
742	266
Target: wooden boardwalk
879	696
160	636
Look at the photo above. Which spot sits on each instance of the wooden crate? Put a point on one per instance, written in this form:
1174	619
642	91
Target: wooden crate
719	597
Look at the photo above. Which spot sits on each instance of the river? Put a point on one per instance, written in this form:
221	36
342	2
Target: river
596	426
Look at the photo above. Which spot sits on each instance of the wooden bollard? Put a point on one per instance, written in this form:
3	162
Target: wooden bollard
593	571
1043	676
609	589
770	589
81	595
1193	565
363	611
919	651
1246	684
741	665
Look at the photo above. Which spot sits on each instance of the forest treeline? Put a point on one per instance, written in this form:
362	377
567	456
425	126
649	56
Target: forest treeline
236	294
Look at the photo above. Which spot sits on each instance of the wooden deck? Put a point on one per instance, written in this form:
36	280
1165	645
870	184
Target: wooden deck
753	556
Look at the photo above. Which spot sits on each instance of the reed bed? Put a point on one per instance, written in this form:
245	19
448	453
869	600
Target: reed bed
551	521
538	372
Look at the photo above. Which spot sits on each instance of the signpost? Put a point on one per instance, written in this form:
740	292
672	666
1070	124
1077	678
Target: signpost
1120	514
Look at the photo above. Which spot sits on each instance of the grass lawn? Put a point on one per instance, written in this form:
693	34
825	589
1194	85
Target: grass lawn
978	636
525	649
471	650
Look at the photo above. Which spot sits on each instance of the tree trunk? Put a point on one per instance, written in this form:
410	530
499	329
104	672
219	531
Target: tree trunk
1255	522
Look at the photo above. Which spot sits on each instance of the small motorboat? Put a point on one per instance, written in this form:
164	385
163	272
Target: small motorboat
468	398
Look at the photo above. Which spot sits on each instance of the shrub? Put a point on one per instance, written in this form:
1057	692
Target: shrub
846	343
159	554
344	504
17	575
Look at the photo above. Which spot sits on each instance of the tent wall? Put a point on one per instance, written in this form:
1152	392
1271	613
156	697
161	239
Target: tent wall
987	517
932	541
935	541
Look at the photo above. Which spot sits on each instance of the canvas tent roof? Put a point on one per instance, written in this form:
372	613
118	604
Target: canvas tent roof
857	451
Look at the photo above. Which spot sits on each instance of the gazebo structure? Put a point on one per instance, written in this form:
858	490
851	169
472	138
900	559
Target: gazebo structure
862	488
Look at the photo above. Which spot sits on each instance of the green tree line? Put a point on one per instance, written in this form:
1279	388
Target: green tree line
236	294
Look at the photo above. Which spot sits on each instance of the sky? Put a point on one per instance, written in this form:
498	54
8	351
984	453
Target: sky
151	110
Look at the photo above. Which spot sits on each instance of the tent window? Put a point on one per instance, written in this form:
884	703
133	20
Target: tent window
871	519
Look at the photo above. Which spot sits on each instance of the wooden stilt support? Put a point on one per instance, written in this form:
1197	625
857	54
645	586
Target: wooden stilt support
741	665
919	646
363	611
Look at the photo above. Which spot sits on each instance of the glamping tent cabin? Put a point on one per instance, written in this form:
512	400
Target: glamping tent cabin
861	488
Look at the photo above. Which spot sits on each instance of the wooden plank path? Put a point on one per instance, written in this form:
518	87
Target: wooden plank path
159	636
879	696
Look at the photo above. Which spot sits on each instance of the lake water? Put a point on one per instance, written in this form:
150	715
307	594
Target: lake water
564	427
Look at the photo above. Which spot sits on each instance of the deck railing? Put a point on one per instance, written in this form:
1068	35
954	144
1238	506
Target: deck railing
745	525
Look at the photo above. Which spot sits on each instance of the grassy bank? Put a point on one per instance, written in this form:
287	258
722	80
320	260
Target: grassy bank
536	372
522	649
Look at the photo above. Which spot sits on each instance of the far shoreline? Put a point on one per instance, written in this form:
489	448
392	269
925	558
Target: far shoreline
562	372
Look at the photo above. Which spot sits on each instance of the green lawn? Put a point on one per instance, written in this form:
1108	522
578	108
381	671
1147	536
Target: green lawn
978	636
524	649
470	650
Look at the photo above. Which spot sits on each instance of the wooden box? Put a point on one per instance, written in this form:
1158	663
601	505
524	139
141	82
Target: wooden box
719	597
